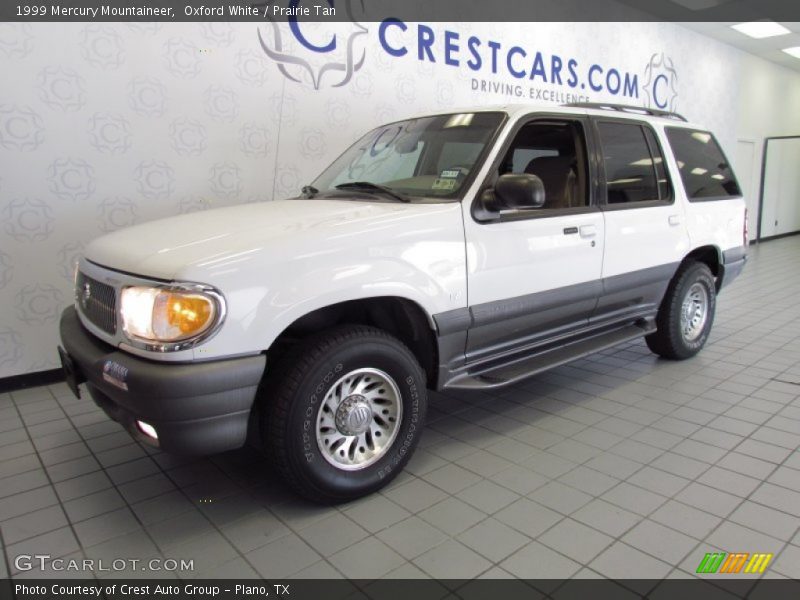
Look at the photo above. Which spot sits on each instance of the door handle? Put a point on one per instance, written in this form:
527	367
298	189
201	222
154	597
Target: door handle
674	220
588	231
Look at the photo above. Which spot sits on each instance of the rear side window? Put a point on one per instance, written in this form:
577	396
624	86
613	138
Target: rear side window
633	164
705	172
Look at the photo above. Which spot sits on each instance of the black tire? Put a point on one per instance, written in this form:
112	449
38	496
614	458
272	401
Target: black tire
294	395
670	340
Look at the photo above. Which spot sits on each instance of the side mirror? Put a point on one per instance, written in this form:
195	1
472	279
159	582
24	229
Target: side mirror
515	191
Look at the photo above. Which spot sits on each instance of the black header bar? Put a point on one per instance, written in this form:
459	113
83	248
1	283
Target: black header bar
406	10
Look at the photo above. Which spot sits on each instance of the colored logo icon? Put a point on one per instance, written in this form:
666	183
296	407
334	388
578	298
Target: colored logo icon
733	563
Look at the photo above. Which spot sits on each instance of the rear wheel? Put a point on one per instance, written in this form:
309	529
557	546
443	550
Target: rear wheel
686	314
344	413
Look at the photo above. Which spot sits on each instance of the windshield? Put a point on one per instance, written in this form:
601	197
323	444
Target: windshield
431	156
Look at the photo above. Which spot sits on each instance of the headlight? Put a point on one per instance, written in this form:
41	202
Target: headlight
170	317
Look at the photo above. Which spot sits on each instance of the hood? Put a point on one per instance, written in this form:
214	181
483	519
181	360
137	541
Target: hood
178	246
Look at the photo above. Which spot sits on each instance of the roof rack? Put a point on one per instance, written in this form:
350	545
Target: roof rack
641	110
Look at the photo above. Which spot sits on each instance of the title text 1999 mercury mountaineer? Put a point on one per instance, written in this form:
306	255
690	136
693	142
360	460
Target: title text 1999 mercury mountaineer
454	251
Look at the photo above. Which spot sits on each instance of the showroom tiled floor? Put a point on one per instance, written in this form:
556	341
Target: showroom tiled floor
619	465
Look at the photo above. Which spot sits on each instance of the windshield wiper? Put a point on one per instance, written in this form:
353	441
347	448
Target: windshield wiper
309	191
368	186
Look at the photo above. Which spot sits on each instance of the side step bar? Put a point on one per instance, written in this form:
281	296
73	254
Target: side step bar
522	368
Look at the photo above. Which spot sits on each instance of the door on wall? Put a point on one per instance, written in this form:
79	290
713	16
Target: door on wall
781	204
744	164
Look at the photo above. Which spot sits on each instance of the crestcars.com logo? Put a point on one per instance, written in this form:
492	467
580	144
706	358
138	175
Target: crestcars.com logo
734	562
310	50
340	50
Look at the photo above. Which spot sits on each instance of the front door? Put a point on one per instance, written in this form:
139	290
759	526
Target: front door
535	274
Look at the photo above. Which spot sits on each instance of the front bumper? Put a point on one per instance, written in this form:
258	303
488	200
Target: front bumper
196	408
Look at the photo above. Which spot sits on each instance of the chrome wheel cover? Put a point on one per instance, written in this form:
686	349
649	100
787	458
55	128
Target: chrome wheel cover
694	312
358	420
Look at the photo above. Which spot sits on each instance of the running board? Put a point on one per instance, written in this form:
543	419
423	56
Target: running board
522	368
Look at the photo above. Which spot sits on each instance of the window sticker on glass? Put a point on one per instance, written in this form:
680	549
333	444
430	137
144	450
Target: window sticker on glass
443	184
450	174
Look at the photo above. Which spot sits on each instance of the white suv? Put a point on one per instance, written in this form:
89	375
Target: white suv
458	251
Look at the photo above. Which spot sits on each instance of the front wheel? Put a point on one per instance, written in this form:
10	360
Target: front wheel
686	314
345	413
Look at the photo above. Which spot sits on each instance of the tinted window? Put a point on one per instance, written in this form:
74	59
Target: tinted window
554	151
631	172
704	171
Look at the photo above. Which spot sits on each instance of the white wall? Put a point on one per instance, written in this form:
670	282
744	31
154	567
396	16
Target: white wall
104	125
768	105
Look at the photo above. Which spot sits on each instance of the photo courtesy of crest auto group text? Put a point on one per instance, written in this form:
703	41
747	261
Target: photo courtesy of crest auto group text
368	298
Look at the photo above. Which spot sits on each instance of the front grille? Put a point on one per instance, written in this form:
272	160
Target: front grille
98	302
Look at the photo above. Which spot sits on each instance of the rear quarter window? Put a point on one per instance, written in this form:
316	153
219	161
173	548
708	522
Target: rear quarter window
705	172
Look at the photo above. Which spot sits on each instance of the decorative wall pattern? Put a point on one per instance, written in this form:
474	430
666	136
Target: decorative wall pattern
106	125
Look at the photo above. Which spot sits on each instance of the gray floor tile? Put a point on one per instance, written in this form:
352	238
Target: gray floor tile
536	561
786	477
787	562
82	486
519	479
452	516
57	543
254	531
528	517
588	480
484	463
548	464
104	527
92	505
367	559
687	519
746	465
451	478
613	465
25	502
634	498
729	481
376	513
416	495
605	517
621	561
333	533
560	497
681	466
412	537
731	535
33	523
778	497
146	487
179	529
575	540
658	481
283	557
493	540
452	560
659	541
487	496
767	520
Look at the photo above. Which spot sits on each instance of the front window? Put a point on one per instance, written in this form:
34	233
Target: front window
431	157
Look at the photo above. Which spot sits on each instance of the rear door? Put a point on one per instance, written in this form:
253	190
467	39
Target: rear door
645	232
